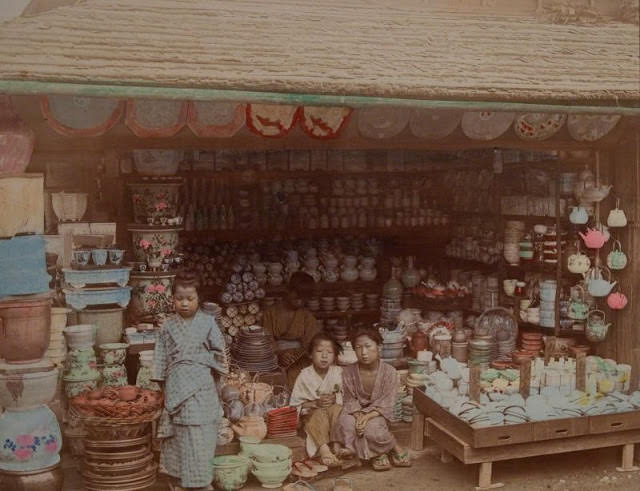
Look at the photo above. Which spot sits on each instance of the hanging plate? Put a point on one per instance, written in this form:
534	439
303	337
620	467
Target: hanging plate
271	120
486	125
433	124
215	119
81	116
538	126
152	118
591	127
323	122
382	122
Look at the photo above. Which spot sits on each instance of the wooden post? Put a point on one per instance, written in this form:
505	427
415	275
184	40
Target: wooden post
417	430
525	379
581	372
549	348
627	459
474	383
484	478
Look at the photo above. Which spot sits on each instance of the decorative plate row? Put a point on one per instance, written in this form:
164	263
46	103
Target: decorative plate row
89	116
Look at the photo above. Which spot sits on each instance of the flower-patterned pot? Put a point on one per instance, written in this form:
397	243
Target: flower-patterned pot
30	439
27	386
73	388
114	376
151	238
151	293
152	199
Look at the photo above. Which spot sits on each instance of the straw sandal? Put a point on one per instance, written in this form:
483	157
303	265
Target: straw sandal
381	463
400	459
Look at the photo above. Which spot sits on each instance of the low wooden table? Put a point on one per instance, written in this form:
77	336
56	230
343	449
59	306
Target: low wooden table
492	444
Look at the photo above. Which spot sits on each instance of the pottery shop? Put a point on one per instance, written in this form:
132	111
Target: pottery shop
471	217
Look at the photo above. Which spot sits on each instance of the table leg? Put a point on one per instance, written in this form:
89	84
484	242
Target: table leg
417	430
484	478
627	459
445	457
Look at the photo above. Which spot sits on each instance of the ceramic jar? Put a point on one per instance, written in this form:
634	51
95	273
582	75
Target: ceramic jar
349	273
24	329
27	385
251	426
158	239
155	200
113	353
151	293
114	376
80	336
49	479
31	437
393	288
73	387
109	323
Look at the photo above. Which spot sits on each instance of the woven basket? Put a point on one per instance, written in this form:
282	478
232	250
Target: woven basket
110	421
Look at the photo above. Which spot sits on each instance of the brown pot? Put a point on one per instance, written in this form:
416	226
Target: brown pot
47	479
25	329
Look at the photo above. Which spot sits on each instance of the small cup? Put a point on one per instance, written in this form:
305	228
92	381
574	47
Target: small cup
99	257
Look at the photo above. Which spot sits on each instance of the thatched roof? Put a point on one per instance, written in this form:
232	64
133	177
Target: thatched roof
353	47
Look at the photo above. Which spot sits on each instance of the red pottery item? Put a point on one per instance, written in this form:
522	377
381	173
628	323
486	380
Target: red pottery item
24	329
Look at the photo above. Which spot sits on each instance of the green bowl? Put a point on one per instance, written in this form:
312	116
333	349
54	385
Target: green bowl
270	452
230	472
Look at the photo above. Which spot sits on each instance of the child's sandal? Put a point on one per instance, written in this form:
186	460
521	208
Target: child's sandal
400	459
381	463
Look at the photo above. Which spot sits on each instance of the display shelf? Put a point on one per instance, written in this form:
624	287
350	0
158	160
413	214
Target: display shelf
439	305
335	287
321	314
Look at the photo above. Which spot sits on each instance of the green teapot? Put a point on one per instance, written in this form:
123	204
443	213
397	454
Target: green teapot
578	308
596	328
617	259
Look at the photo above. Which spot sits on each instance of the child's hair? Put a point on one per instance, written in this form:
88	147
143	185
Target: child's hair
370	332
323	336
302	283
186	279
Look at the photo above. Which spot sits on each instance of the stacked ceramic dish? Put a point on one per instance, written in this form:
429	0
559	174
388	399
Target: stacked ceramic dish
340	331
407	409
282	422
328	304
479	351
57	350
532	342
396	415
271	463
357	301
240	316
513	232
82	374
114	372
547	303
393	343
372	301
253	350
343	303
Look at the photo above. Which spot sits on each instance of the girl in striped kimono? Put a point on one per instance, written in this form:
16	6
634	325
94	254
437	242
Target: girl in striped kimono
188	353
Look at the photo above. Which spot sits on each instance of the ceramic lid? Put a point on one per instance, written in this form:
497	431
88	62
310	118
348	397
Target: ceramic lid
43	365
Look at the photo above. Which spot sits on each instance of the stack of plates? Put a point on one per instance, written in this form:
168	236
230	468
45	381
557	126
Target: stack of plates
253	350
357	301
407	409
532	342
212	308
479	352
282	422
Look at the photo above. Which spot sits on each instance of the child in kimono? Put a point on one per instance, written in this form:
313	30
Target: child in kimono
188	352
317	394
370	388
290	322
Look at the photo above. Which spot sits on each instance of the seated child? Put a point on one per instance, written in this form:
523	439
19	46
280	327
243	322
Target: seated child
317	394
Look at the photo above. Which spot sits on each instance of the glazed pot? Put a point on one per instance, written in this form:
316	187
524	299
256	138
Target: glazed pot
58	319
114	376
151	293
80	336
410	276
24	329
271	479
158	238
113	353
230	472
367	274
69	207
156	200
73	388
47	479
349	273
32	439
251	426
24	195
27	386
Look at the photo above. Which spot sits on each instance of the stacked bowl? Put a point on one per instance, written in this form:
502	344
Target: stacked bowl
57	350
253	350
270	463
547	303
513	231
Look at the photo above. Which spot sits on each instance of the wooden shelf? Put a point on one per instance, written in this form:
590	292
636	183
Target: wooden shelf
439	305
337	286
321	314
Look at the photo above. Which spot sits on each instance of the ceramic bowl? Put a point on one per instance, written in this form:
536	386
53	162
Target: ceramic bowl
271	479
99	256
81	257
270	452
80	336
230	472
116	255
114	353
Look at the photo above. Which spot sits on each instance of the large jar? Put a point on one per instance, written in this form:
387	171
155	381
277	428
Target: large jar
109	323
27	385
30	438
24	329
154	200
151	293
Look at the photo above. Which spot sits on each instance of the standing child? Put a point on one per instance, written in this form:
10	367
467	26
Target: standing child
189	350
318	395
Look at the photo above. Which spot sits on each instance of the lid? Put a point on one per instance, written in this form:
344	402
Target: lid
43	365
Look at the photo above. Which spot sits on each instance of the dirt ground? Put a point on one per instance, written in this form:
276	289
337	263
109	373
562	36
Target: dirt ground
579	471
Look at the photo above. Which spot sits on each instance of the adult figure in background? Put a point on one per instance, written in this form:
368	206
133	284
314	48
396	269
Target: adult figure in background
293	326
370	388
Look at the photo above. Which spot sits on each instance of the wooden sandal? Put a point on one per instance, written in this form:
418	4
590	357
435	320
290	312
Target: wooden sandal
316	466
300	469
400	459
381	463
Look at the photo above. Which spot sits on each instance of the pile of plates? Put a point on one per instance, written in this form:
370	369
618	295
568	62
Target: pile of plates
253	350
407	409
282	422
532	342
479	352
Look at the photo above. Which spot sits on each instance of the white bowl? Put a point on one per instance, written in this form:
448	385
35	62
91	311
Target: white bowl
69	207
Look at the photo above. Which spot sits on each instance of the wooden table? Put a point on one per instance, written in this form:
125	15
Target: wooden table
492	444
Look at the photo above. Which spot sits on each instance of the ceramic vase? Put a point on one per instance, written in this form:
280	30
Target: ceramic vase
151	293
155	239
157	200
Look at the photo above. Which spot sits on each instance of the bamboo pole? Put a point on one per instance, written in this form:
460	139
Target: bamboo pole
25	87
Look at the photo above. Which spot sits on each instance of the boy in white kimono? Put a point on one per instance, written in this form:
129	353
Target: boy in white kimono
317	394
189	349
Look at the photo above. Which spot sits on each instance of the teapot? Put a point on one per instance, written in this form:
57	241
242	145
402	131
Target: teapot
251	426
595	194
596	328
597	285
617	301
594	239
579	263
578	308
617	259
579	215
349	271
616	217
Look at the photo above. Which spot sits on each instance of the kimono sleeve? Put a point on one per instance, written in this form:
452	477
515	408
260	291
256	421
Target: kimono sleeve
216	345
300	392
160	357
